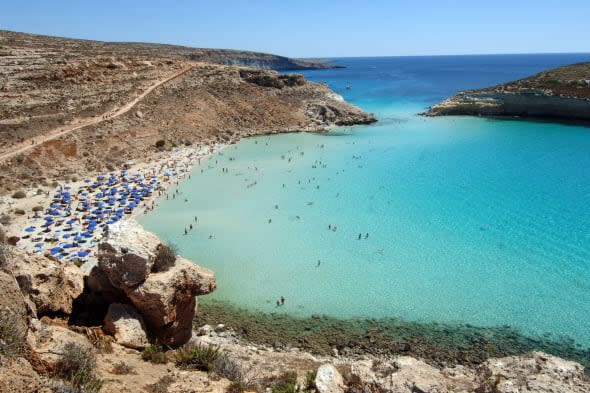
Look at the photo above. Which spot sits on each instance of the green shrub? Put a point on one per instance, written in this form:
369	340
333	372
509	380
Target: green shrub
160	143
12	340
199	357
285	383
19	194
154	354
77	366
165	258
237	387
227	367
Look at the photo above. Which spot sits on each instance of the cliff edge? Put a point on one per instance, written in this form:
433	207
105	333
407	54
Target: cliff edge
561	94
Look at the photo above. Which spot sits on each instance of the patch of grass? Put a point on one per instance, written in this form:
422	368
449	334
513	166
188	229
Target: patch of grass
19	194
12	340
77	367
5	219
154	354
310	381
121	368
199	357
165	257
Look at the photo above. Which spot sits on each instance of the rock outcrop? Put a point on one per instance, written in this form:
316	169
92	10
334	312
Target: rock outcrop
12	302
165	299
50	284
561	94
127	326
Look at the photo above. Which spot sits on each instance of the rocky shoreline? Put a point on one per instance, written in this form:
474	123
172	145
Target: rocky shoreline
561	94
441	345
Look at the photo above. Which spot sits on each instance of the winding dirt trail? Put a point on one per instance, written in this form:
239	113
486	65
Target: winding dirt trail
76	124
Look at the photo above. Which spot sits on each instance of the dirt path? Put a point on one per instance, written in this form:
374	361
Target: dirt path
76	124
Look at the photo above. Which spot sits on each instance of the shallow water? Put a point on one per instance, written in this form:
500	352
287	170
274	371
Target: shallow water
469	220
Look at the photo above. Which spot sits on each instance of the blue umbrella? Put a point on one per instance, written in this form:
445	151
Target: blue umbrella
30	229
68	245
83	253
66	235
39	245
55	250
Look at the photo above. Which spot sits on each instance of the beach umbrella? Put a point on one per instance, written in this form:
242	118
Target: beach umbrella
30	229
83	253
55	250
66	235
68	245
39	245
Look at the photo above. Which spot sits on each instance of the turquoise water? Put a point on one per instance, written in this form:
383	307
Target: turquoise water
470	220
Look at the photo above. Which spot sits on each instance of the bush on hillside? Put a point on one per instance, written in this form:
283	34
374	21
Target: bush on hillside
165	258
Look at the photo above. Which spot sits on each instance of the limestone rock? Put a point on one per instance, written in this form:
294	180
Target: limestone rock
17	376
538	372
167	300
49	341
329	380
413	375
12	304
126	325
51	285
130	237
125	270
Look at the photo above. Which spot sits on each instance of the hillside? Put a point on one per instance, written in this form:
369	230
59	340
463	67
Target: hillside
69	107
557	94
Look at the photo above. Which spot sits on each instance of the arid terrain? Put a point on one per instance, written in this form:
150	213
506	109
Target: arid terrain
68	107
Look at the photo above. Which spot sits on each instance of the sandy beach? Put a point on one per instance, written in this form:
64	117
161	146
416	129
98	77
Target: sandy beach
68	221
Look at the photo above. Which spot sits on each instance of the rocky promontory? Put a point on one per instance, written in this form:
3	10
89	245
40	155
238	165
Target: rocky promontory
561	94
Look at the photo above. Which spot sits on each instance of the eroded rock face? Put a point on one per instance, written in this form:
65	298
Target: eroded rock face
17	376
126	325
49	341
166	300
51	285
12	304
538	372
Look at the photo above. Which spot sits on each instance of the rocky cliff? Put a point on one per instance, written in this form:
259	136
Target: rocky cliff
558	94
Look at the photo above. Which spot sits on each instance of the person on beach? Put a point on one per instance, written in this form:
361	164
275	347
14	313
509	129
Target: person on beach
360	236
319	262
282	300
185	231
190	227
367	236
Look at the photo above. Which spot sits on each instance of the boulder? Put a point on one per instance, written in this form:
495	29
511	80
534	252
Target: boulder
17	376
128	237
49	341
126	325
329	380
51	285
12	303
125	270
167	300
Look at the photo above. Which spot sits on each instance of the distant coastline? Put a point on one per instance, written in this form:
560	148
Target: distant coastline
560	94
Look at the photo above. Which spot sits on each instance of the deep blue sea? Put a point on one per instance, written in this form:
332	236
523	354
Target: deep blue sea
461	219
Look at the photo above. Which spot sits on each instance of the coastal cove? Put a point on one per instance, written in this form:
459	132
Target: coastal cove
458	221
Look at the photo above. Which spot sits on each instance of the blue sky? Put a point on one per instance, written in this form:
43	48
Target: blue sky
318	28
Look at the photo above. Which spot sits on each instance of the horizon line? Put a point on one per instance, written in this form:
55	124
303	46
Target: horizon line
300	57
